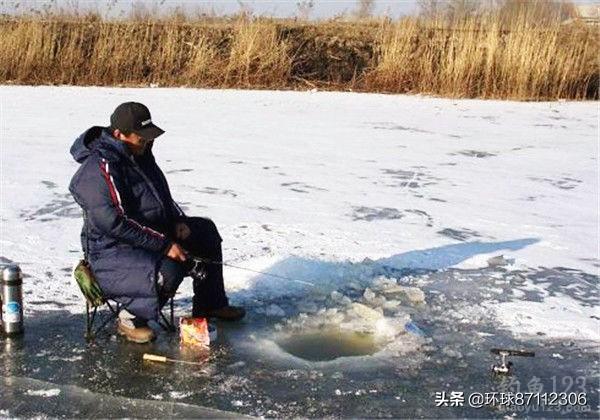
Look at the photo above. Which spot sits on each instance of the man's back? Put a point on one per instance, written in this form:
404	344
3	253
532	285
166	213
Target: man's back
118	198
126	227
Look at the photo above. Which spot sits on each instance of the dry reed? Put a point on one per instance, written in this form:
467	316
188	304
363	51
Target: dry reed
477	57
480	58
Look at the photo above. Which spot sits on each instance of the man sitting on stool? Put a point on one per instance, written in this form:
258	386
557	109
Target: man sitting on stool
136	238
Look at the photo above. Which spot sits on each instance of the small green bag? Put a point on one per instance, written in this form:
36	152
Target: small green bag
88	284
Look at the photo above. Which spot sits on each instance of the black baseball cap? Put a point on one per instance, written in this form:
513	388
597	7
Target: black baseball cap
134	117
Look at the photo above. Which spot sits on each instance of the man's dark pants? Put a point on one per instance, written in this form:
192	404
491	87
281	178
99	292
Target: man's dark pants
209	292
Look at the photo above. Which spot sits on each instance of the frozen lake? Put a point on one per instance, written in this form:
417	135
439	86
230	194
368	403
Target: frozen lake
385	210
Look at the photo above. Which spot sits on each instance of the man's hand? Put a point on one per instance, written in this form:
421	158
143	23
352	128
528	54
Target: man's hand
177	253
182	231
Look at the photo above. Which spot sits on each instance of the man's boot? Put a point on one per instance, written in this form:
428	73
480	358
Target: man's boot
209	290
126	327
226	313
207	272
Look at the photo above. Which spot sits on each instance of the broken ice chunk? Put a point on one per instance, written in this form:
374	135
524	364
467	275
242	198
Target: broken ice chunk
354	285
316	294
309	307
414	294
368	294
336	296
274	310
499	261
336	319
365	312
331	312
391	304
384	283
393	290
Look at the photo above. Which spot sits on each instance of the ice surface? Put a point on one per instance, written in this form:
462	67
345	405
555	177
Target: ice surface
28	397
323	189
374	357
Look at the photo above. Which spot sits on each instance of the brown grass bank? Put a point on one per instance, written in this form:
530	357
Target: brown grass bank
476	58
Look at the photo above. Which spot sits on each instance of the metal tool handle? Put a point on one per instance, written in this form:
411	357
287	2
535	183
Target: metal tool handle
155	358
511	352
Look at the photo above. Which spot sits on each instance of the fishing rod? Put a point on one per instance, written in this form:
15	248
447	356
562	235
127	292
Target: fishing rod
197	260
209	261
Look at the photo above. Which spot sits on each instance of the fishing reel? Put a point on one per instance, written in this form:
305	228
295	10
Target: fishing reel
505	366
196	268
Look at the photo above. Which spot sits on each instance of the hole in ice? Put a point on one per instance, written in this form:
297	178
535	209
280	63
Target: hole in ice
329	344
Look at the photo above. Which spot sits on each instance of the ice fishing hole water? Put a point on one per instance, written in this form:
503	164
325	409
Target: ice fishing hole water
329	344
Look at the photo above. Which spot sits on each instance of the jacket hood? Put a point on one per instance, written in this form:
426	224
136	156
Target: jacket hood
99	138
84	144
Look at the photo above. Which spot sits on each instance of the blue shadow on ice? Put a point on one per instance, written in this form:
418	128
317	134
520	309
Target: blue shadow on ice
450	255
306	271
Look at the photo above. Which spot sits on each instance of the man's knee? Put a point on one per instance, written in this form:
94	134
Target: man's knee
204	227
170	275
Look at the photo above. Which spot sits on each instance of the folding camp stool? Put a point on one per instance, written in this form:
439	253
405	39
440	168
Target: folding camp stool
95	301
91	316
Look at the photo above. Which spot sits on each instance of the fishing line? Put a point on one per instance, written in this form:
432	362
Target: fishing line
208	261
197	260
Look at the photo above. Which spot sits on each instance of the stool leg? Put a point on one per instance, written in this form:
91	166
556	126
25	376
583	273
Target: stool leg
88	327
172	316
168	324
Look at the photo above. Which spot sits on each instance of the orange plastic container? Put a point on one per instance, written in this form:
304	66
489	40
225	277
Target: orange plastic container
194	332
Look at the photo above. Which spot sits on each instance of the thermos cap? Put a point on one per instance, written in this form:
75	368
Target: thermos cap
11	274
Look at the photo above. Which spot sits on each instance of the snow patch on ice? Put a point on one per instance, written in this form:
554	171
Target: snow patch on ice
177	395
47	393
65	359
557	317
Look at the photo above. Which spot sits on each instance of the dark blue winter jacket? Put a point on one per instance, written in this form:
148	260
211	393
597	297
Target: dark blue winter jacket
129	217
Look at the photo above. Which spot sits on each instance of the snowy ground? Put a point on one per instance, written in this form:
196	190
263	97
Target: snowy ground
357	197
